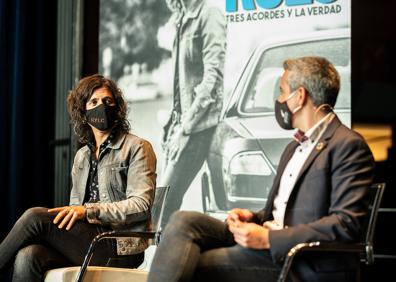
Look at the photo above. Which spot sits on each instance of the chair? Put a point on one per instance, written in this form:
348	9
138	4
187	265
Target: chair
364	248
106	273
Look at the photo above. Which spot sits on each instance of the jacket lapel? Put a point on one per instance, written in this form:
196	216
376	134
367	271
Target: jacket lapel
194	9
289	151
322	143
118	142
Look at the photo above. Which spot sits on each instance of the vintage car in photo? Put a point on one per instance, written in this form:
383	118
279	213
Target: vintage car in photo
248	142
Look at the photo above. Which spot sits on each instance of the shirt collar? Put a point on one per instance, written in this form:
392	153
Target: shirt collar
193	9
315	131
107	143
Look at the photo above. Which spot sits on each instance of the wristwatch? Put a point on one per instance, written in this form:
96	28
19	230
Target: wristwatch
92	213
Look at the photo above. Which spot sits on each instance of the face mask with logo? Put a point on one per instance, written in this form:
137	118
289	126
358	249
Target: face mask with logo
102	117
283	114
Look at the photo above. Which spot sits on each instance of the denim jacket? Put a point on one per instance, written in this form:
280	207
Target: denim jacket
127	180
202	47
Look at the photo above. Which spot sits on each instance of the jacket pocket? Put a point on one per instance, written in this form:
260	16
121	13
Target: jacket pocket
189	47
80	180
118	176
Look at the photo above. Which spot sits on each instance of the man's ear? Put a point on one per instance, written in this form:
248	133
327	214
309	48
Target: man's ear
302	95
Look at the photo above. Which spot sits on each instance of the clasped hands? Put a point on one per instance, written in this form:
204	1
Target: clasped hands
247	234
68	215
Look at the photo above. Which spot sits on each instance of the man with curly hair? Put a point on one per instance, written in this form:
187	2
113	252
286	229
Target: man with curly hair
113	177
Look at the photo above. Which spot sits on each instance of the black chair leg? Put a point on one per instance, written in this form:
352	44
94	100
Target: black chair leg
89	254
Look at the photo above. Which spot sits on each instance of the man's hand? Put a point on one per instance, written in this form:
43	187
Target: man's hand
247	234
68	215
250	235
176	144
236	215
272	225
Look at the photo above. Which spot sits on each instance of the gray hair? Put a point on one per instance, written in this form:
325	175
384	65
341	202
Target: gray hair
317	75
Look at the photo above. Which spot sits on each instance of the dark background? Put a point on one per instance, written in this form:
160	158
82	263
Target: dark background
27	86
28	50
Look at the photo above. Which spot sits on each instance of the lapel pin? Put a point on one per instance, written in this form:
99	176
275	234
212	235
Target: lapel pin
319	146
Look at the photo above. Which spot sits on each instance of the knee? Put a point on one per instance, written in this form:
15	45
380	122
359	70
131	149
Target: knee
184	217
34	212
33	215
27	259
185	221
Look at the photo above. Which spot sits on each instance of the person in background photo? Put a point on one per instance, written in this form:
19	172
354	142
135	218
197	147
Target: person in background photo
114	180
198	54
320	193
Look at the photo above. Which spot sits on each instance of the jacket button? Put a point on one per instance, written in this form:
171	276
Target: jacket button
104	195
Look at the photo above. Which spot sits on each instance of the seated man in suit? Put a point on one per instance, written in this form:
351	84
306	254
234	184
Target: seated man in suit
319	194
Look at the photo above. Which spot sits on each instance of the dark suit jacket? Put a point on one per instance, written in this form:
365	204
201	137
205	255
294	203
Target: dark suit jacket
329	199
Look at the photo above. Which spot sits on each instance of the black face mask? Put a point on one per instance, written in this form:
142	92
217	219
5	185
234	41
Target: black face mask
102	117
283	114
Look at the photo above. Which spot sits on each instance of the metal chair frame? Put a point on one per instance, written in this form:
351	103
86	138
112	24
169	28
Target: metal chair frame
153	233
364	248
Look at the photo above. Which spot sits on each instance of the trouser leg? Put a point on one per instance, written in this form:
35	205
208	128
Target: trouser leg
185	169
236	264
185	237
35	226
33	261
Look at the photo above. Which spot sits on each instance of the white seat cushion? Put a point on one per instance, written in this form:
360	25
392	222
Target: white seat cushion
96	274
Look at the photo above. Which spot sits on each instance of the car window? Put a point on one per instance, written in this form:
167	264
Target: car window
263	91
263	86
273	149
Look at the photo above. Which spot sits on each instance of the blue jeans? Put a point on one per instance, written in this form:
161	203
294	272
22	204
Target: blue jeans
197	247
186	168
36	245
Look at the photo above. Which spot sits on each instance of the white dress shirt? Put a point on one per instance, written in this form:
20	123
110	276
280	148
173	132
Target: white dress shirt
293	168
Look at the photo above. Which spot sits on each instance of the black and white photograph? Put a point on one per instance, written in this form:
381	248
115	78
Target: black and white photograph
197	140
202	82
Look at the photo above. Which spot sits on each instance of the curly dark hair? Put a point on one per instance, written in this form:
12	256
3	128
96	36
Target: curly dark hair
76	105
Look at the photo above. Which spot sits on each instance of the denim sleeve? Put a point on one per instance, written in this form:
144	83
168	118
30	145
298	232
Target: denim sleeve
213	34
75	198
139	193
